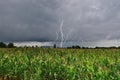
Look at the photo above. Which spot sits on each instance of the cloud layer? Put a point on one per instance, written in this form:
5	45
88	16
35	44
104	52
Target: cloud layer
39	20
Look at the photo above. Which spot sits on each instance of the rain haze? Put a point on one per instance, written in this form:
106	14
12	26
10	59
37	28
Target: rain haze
74	22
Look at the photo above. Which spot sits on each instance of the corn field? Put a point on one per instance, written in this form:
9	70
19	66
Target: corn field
59	64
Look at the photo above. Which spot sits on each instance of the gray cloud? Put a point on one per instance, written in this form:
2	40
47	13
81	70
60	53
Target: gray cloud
39	20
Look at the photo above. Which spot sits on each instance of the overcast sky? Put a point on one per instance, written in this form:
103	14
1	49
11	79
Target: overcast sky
39	20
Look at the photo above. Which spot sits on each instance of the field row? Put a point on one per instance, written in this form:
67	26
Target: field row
59	64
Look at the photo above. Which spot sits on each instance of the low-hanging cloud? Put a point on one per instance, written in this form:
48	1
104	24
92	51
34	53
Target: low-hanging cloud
39	20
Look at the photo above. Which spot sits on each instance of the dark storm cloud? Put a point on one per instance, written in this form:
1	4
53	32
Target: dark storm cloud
27	20
39	20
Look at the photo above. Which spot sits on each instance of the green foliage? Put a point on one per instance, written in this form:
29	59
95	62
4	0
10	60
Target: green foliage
2	45
10	45
59	64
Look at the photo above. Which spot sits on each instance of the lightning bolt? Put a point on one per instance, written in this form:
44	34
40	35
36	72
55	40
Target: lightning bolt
62	33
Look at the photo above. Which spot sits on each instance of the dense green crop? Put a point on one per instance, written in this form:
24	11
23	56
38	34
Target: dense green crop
59	64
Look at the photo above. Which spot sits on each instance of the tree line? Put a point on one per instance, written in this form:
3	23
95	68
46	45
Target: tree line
4	45
79	47
11	45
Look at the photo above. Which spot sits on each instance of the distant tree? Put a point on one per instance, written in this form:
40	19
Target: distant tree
10	45
33	47
54	46
2	45
96	47
118	47
77	47
83	47
112	47
36	46
73	46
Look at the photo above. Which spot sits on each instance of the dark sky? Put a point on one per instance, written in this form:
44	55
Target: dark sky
39	20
